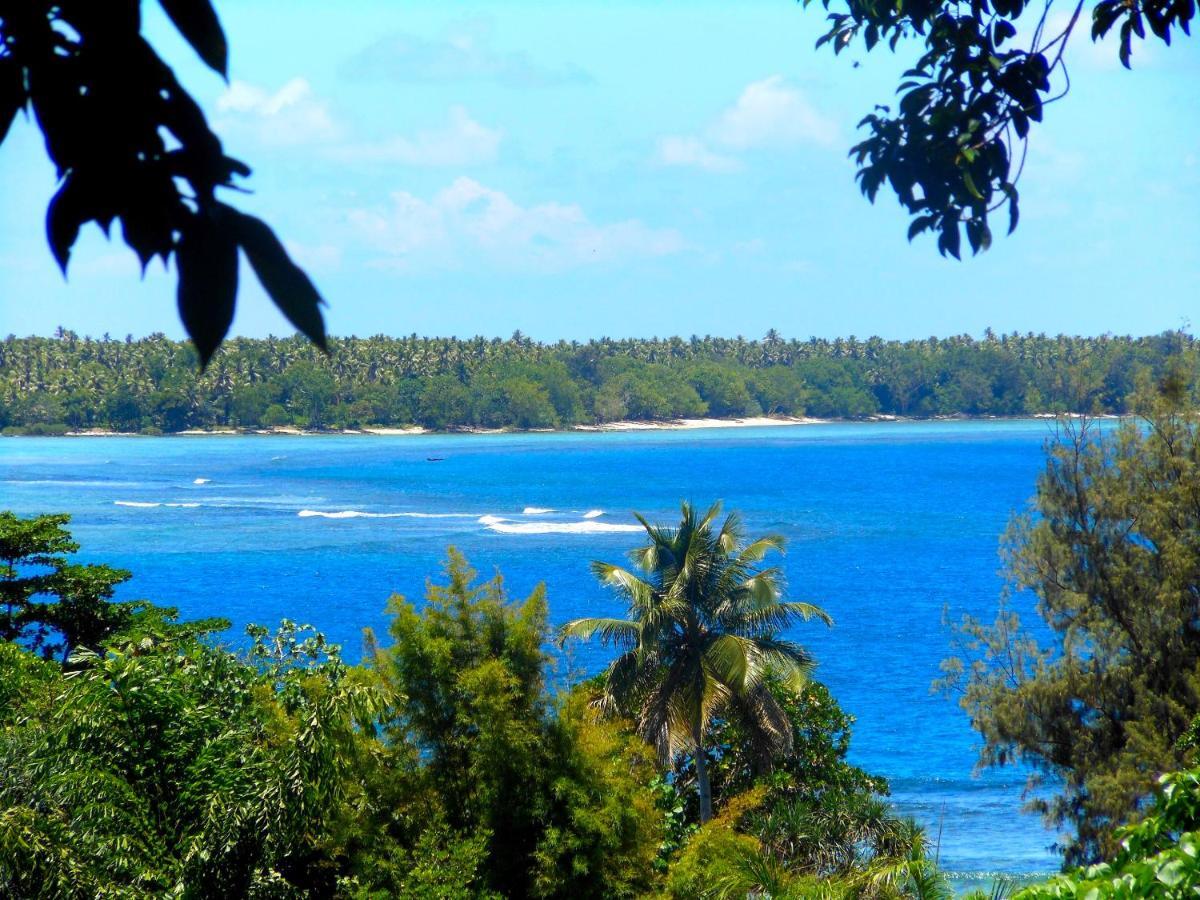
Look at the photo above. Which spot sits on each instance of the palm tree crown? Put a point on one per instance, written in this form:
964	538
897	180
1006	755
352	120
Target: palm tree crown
702	636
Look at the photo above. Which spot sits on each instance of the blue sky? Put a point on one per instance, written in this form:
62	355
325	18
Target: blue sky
630	169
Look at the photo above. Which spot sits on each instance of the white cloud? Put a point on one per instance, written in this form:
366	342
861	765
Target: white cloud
767	114
468	219
691	151
460	142
291	115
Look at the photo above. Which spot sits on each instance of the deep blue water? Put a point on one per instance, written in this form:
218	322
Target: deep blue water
887	525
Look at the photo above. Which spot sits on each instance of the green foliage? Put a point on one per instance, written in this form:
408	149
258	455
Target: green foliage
129	144
162	768
822	815
715	861
48	601
1158	858
55	606
1112	552
48	385
562	805
159	764
702	639
953	149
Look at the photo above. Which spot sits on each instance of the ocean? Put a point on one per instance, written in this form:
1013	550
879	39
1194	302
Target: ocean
892	527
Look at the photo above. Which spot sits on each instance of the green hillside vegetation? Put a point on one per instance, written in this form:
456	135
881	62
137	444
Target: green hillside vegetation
50	385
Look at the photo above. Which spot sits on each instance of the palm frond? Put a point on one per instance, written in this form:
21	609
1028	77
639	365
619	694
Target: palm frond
757	550
730	536
789	661
621	632
770	721
709	517
636	590
758	613
665	719
731	660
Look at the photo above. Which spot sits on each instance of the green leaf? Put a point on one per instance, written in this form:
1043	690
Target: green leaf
969	182
207	260
285	282
1173	872
197	21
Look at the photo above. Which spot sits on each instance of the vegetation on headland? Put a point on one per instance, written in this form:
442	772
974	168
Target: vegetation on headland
52	385
130	144
141	758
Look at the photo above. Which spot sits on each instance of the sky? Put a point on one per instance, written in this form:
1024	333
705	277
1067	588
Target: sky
616	168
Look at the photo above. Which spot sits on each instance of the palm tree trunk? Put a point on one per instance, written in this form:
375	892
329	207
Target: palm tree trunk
702	777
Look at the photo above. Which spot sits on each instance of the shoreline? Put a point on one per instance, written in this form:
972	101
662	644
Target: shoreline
398	431
628	425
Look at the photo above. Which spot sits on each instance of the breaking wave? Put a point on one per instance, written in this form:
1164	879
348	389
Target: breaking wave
536	510
501	525
593	514
147	504
201	480
359	514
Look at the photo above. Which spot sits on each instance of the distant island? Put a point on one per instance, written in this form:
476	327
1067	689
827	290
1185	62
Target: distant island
153	385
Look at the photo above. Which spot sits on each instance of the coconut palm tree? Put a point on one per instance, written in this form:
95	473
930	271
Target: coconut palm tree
701	637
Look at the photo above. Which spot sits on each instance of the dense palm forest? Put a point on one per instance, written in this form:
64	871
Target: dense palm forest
150	385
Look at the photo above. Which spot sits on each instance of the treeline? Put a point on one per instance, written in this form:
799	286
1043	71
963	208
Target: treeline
153	384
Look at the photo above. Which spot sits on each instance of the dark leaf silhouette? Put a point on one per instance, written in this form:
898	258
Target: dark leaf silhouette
130	144
207	260
283	280
197	22
953	149
68	210
11	96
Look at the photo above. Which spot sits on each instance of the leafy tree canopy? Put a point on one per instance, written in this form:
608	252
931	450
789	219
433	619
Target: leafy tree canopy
52	385
159	763
1158	858
953	148
56	606
1111	550
560	805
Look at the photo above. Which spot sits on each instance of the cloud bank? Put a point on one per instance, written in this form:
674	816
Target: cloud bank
468	220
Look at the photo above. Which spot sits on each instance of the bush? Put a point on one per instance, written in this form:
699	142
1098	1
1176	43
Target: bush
37	429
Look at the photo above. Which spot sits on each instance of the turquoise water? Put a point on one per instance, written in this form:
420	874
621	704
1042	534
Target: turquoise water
887	525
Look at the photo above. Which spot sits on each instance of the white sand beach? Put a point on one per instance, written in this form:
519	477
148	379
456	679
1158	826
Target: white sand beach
685	424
